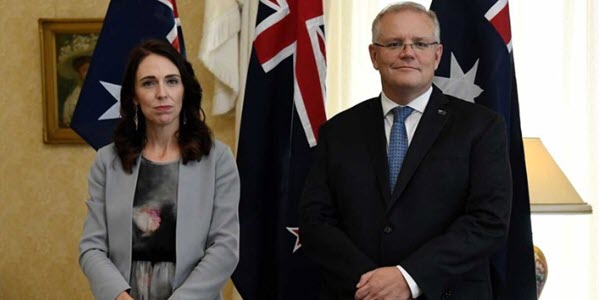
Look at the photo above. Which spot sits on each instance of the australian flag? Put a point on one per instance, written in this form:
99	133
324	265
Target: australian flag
283	109
477	66
127	23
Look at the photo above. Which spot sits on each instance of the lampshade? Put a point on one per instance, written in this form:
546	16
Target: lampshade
549	189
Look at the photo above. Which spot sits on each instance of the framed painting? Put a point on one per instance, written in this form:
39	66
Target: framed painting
66	47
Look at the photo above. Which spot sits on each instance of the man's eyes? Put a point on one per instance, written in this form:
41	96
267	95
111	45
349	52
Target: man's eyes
395	45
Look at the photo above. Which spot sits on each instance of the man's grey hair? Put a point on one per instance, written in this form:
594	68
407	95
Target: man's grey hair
402	6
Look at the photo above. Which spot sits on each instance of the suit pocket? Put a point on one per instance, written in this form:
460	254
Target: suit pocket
472	289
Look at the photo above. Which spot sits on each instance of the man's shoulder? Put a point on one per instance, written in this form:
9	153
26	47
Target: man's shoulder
355	113
471	111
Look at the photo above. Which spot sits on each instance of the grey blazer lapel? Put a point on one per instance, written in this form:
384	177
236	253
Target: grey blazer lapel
119	209
431	123
193	215
187	185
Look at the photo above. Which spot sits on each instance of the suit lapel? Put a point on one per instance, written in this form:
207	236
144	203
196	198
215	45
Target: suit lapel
431	123
189	192
376	144
120	207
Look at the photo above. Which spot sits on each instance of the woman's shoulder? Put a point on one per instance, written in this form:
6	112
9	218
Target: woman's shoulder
219	146
107	151
220	150
106	159
107	155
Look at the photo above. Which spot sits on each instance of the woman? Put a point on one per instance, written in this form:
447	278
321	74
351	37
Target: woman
162	215
81	66
74	59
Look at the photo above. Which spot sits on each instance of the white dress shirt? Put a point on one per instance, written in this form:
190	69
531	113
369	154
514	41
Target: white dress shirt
412	121
418	105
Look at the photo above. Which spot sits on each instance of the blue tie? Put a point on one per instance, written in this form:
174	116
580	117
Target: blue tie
398	143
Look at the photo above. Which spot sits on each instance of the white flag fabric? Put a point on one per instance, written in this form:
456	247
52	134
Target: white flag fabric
249	12
220	50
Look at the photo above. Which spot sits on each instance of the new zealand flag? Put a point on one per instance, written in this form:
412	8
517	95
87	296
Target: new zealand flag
477	66
127	23
283	109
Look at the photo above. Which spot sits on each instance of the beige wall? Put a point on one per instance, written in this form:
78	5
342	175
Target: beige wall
43	187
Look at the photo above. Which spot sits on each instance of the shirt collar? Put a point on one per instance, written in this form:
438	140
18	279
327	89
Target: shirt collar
417	104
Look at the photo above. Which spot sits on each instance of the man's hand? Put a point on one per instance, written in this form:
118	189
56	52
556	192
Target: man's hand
382	283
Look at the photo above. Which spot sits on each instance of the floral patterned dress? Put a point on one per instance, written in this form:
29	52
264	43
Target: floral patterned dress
154	223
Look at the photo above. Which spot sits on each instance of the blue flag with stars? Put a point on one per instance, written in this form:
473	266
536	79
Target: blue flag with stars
477	66
127	23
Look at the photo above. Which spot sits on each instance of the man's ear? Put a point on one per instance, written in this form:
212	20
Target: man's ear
438	55
373	55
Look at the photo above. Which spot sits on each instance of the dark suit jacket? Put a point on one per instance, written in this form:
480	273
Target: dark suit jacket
447	215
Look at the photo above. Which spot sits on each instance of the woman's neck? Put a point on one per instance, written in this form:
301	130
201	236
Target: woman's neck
161	145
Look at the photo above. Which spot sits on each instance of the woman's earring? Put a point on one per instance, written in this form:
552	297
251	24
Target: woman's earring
135	117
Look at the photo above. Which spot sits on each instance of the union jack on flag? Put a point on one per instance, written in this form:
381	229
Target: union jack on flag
296	28
283	110
127	23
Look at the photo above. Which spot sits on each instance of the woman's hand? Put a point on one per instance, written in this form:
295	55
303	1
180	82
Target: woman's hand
124	296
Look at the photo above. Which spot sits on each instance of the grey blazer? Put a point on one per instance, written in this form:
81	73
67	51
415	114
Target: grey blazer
207	234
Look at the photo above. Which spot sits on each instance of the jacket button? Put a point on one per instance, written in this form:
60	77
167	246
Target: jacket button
387	229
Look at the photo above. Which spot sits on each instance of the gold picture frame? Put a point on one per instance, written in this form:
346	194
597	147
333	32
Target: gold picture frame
66	50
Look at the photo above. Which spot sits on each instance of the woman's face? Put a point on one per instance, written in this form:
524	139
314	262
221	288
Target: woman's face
159	91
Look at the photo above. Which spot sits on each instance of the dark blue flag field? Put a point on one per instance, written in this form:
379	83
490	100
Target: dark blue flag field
127	23
477	66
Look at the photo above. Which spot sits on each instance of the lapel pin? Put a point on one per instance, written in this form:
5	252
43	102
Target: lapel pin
441	112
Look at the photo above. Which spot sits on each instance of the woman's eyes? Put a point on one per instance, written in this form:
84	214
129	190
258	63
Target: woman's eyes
169	81
148	83
173	81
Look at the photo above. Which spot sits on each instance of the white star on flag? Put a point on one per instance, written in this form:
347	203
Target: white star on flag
296	233
113	111
459	85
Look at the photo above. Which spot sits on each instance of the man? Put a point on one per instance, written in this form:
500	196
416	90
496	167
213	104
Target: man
409	194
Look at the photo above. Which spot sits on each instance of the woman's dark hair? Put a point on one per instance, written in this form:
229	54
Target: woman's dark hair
194	136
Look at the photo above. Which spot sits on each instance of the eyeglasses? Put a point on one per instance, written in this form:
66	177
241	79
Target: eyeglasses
398	46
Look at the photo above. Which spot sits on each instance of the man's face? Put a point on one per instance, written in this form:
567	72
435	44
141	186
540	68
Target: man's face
405	71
